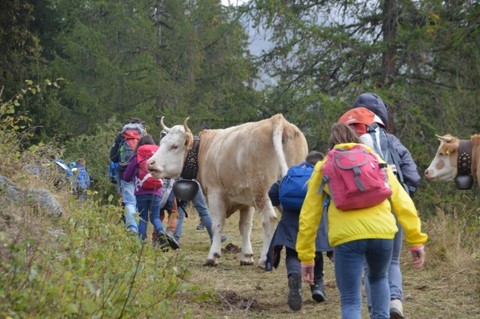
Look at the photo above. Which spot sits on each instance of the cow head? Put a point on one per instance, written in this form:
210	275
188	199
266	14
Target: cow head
167	162
444	166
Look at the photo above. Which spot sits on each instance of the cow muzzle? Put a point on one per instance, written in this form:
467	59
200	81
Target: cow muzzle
156	173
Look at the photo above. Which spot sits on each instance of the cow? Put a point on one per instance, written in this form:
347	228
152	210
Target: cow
236	167
457	160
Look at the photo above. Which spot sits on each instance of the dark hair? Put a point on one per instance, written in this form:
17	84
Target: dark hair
342	133
147	139
136	120
314	156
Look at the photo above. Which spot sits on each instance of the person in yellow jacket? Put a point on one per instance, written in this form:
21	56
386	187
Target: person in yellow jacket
359	235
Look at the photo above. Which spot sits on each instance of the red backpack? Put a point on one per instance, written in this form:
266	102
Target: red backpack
355	177
145	180
130	137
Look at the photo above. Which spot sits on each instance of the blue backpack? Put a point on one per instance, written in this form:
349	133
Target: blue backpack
293	188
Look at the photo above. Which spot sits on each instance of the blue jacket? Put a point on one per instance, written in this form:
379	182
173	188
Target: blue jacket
287	228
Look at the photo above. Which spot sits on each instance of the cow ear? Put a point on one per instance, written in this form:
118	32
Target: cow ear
450	149
446	138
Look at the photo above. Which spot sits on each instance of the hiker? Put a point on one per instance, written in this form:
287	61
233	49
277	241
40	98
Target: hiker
148	192
121	152
361	234
289	202
169	212
200	205
65	174
407	173
82	179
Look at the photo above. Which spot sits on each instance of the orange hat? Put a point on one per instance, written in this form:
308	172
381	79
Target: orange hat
360	115
359	118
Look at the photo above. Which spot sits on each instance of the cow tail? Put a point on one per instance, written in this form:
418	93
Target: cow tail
278	128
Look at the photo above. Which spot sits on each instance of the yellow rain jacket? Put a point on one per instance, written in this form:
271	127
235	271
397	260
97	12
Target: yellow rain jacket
376	222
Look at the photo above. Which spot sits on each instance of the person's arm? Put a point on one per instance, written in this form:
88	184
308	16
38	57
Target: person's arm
130	170
407	165
114	151
273	194
407	215
310	217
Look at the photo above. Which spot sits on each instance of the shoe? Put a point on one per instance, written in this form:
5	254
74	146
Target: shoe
396	309
200	227
172	242
161	242
318	291
224	238
295	291
132	229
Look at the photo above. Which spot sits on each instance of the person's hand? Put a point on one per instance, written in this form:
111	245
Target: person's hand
418	256
307	273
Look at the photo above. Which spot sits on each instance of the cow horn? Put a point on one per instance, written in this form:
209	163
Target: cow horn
166	129
446	138
187	129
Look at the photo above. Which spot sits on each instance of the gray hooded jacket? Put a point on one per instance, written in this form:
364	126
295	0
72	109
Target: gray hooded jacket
408	167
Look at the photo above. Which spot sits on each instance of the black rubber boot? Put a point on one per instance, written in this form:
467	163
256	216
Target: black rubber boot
295	291
318	291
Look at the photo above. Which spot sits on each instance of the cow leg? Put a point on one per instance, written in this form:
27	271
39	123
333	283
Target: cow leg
245	226
218	211
269	223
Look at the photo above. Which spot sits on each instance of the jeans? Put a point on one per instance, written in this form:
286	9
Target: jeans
203	212
130	203
293	265
394	272
146	204
349	263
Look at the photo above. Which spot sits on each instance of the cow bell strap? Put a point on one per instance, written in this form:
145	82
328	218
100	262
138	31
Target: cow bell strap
465	157
190	167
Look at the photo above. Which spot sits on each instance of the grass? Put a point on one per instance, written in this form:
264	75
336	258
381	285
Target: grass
84	265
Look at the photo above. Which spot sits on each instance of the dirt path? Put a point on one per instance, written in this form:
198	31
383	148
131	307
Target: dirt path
250	292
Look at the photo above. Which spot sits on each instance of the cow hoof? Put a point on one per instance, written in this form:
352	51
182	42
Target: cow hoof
211	263
247	260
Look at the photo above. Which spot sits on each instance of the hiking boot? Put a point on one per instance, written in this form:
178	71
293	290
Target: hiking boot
318	291
295	291
200	227
396	309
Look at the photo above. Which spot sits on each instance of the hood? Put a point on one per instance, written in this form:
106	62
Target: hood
374	103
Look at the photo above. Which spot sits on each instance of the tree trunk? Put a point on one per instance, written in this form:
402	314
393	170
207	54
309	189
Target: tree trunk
159	8
389	70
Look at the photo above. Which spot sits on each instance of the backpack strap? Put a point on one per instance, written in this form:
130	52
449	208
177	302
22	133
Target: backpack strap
396	161
375	130
325	180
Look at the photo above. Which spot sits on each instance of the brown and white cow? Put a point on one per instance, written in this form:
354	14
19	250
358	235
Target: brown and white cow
237	166
456	159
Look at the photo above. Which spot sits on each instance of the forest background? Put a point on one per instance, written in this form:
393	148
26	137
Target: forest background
73	71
